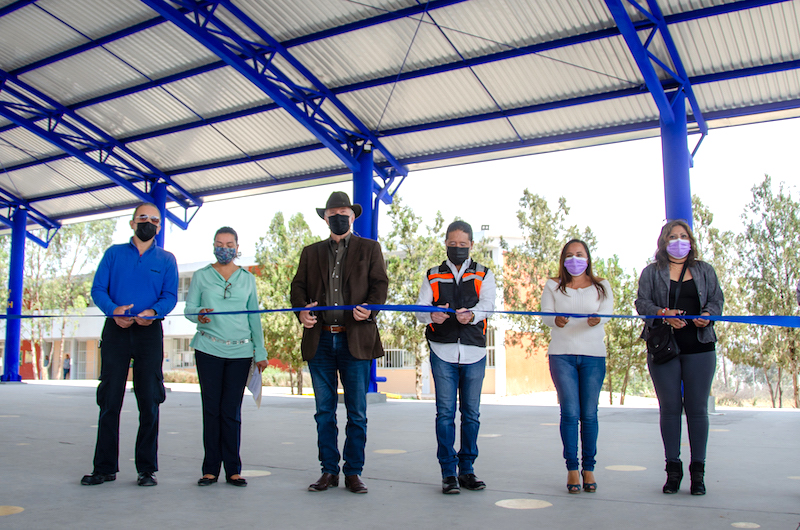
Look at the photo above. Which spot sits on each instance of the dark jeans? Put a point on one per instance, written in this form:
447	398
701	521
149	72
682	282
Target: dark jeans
578	380
222	383
465	382
695	371
145	345
332	357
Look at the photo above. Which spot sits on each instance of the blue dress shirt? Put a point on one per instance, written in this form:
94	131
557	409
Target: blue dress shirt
149	281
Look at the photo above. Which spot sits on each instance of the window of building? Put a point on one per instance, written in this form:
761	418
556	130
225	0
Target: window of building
78	366
183	287
180	354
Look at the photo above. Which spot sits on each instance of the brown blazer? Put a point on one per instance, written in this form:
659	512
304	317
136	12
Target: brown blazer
364	282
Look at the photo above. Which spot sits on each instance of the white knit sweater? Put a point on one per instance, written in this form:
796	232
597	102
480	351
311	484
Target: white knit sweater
577	337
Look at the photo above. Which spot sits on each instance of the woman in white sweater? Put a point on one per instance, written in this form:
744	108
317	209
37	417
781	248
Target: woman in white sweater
577	355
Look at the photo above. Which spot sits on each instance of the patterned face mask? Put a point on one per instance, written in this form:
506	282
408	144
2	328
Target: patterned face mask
224	254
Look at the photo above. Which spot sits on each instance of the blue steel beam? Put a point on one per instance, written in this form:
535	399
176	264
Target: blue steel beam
304	103
10	8
74	135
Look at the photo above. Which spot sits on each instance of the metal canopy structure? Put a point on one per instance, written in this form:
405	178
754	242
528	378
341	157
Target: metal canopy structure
104	104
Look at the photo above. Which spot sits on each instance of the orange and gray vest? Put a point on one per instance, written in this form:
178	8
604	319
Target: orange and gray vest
464	294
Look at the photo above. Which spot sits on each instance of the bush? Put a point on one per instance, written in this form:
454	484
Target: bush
273	376
179	376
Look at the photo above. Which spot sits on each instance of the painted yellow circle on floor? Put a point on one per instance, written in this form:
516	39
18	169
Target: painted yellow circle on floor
9	416
745	525
719	430
173	432
794	477
287	443
23	443
10	510
390	451
624	467
489	435
523	504
548	424
250	473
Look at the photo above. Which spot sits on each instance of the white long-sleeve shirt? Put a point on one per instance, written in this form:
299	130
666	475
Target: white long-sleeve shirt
456	352
577	337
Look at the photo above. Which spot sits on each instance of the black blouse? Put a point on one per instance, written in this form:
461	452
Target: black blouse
689	301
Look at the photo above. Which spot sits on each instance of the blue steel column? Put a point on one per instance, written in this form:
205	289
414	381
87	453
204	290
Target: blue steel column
159	195
675	153
363	185
15	286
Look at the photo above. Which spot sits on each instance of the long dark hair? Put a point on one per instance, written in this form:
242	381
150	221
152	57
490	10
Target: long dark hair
662	258
564	277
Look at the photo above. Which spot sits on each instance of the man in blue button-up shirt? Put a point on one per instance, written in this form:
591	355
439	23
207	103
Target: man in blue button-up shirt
134	282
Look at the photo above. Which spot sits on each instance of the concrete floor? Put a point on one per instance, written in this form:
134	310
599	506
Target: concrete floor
47	435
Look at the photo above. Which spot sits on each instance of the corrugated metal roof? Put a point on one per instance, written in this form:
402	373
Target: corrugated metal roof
456	82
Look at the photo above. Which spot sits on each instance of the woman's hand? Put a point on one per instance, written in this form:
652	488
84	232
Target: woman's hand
561	321
202	318
593	321
702	322
261	365
676	323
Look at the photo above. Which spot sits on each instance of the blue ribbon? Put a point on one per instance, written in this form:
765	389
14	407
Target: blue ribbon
785	321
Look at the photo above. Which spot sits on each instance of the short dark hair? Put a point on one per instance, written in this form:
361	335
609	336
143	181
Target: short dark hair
145	204
227	230
463	226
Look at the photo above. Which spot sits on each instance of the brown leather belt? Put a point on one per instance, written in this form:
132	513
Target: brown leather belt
334	329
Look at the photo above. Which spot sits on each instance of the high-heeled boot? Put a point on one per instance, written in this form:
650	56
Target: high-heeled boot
674	477
697	472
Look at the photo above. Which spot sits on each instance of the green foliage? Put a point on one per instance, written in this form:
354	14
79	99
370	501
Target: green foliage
277	256
528	266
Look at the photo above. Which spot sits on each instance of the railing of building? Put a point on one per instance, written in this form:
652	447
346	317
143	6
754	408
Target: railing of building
400	358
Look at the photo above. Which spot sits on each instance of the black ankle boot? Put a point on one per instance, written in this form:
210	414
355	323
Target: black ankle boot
674	476
697	471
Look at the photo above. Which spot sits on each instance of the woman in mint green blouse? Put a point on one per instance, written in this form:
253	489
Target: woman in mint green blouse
225	347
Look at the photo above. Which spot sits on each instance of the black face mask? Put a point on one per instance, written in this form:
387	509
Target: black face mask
457	255
340	224
146	231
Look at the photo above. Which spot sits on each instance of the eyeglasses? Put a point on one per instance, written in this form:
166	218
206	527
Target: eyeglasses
143	218
227	293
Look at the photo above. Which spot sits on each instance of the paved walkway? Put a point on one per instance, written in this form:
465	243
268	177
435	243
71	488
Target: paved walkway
47	435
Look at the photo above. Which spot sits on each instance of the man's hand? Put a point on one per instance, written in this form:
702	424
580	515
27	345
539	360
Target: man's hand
702	322
561	321
464	315
361	313
202	318
145	321
306	318
123	322
261	365
439	317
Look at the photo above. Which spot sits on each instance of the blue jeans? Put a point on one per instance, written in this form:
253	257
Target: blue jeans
578	380
332	356
464	381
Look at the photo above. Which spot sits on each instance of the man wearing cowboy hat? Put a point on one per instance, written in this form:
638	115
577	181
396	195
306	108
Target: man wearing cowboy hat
344	270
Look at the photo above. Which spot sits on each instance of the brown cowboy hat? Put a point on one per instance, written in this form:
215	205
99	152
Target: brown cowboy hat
339	199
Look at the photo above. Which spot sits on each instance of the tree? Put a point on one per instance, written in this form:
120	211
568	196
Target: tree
626	353
277	256
528	266
768	250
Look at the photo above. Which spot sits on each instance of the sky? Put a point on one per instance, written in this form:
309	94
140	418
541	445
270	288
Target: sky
616	190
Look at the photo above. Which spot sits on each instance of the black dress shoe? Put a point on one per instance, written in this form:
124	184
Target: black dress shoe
206	481
97	478
147	478
236	482
450	486
471	482
327	480
354	484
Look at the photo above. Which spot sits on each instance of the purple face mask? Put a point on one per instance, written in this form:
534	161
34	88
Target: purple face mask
575	265
679	248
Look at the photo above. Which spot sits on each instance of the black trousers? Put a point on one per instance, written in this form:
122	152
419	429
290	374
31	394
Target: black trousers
145	346
222	383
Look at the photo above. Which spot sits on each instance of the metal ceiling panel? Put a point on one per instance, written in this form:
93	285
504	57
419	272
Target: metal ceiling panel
749	91
276	128
138	113
217	92
187	148
29	143
451	139
29	34
106	16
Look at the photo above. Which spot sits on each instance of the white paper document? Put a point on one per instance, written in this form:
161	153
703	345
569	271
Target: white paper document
254	384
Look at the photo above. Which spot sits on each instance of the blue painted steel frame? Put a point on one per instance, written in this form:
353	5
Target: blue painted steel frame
675	156
19	223
74	135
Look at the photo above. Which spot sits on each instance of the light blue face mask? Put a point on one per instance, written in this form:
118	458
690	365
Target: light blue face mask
224	254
